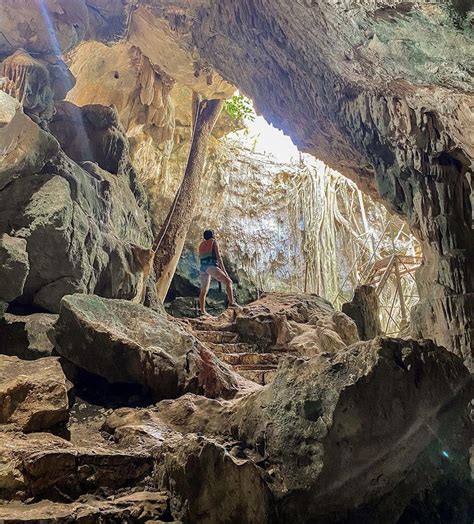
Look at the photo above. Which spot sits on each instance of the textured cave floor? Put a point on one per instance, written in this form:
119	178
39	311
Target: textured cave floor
94	400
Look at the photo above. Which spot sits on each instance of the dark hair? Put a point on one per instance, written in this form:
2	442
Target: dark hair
209	233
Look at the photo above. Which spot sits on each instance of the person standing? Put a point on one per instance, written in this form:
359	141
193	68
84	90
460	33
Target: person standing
212	266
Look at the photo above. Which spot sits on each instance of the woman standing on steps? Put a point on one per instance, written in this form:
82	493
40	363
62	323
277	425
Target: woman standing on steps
212	266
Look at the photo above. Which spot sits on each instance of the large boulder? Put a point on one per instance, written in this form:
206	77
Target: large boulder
26	336
85	229
33	395
358	436
14	267
209	485
360	432
126	342
306	324
85	232
208	482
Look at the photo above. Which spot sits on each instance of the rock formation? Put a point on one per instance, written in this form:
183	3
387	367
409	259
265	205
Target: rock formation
125	342
390	117
26	336
33	395
364	310
80	228
331	444
274	412
370	414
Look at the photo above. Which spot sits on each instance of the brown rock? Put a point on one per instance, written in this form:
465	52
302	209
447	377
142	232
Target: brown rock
354	436
33	395
306	324
140	506
91	133
208	484
43	465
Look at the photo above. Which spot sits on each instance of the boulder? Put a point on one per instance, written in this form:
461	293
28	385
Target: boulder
361	432
208	484
26	336
365	312
33	395
14	267
126	342
44	465
85	232
306	324
356	436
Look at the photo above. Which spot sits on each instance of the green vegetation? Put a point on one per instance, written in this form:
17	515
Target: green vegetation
239	107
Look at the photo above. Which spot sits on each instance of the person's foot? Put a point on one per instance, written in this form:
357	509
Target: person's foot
204	314
233	304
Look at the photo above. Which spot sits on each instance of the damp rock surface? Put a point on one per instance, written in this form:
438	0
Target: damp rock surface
362	434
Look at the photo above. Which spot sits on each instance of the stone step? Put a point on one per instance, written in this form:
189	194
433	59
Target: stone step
260	376
256	367
209	325
236	347
250	359
217	337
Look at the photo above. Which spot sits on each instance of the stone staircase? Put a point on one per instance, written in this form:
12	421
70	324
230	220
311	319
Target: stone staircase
245	358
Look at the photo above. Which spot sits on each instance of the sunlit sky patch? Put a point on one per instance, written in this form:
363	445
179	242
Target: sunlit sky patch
262	137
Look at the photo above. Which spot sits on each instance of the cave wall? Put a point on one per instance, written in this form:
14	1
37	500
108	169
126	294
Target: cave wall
155	111
73	214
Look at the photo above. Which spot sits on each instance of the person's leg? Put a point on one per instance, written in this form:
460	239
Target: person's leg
205	281
220	276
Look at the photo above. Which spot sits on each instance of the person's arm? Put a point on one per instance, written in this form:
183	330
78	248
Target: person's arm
219	258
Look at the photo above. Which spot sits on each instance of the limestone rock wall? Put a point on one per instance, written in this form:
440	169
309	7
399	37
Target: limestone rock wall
73	215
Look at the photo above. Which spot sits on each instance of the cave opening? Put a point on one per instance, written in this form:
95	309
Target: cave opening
338	389
289	223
